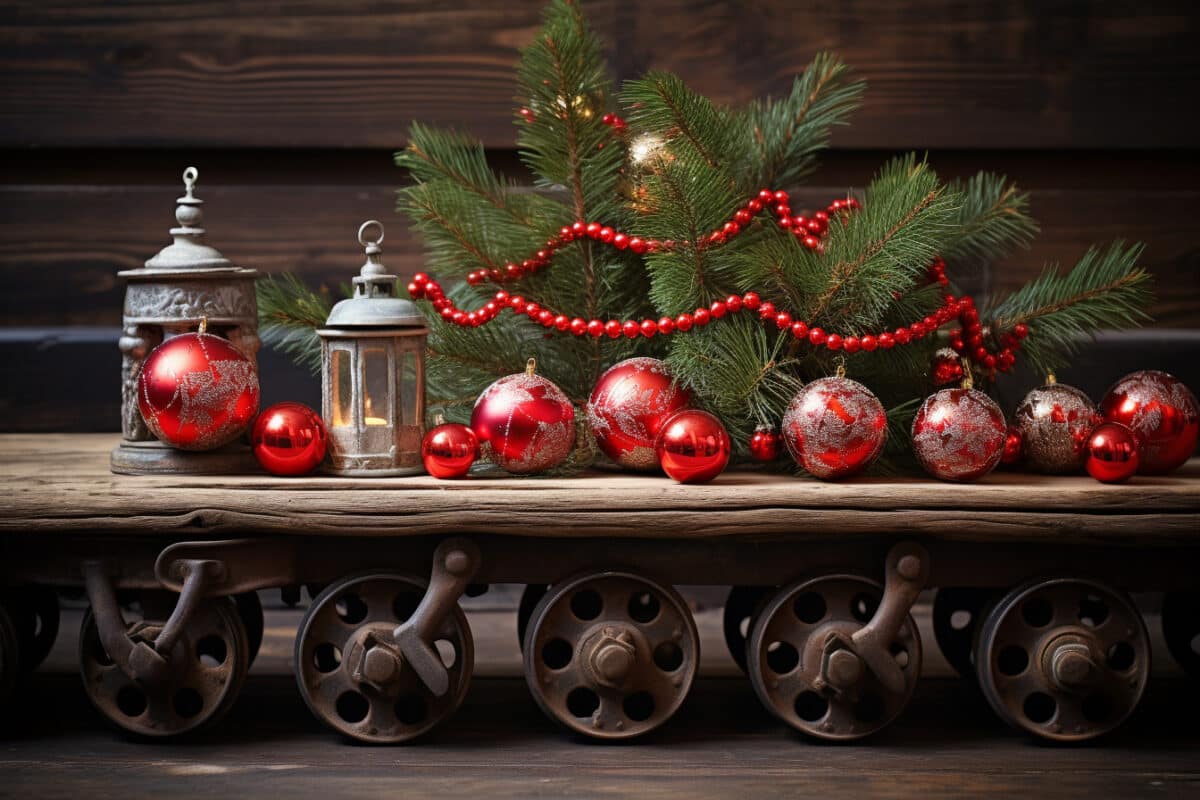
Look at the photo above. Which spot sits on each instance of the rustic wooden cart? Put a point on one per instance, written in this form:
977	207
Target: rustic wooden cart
1033	575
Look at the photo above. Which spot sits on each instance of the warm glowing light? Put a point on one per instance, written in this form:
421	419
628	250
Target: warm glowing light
376	421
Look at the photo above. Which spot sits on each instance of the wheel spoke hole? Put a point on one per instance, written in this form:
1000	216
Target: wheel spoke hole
668	656
447	652
639	706
809	607
960	620
644	607
326	657
188	703
1037	612
557	653
131	701
1121	656
1040	707
869	708
351	609
862	607
1096	708
1093	611
582	702
586	604
782	657
405	604
1012	660
411	709
811	706
352	707
211	651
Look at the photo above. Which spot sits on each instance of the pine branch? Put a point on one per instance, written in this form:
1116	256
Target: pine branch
993	220
289	314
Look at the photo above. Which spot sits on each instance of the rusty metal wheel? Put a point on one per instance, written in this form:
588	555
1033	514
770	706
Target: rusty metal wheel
804	668
530	596
957	614
1065	659
350	670
34	614
1181	629
611	655
208	665
250	609
10	657
737	619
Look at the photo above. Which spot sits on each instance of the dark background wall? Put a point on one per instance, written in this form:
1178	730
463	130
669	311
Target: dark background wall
291	111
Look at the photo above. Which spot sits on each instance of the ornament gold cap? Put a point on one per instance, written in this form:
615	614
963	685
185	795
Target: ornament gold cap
531	366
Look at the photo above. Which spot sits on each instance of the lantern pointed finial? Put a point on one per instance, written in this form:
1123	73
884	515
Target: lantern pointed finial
189	250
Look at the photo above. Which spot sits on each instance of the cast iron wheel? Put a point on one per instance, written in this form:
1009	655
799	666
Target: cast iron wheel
10	657
737	619
1181	629
957	611
350	670
792	647
250	609
529	599
1063	659
208	665
610	655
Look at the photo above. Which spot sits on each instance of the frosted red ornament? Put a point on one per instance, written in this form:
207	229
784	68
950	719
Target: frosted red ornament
449	450
525	424
959	434
1013	447
1112	453
197	391
288	439
835	428
764	445
946	367
1161	411
1055	421
693	446
628	406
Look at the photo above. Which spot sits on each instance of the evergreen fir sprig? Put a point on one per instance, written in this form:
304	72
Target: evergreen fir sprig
661	104
993	220
289	314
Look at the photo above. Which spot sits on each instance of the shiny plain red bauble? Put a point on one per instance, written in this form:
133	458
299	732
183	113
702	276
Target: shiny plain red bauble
764	446
197	391
692	446
449	450
959	434
1013	447
288	439
1055	421
834	428
1112	453
628	406
1162	411
525	424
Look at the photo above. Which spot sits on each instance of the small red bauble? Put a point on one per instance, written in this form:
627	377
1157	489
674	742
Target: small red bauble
197	391
524	423
835	428
693	446
1013	448
1112	453
449	450
764	445
1055	421
959	434
628	406
946	368
1162	411
288	439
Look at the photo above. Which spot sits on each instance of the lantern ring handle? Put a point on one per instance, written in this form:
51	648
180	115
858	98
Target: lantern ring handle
189	177
362	230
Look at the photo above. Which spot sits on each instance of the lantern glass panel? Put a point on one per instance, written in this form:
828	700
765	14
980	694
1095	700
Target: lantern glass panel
408	387
377	387
343	387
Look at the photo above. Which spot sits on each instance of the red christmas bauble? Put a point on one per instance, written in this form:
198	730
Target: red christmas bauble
764	445
959	434
449	450
628	406
197	391
1055	421
524	423
946	367
1112	453
1013	447
835	428
288	439
692	446
1162	411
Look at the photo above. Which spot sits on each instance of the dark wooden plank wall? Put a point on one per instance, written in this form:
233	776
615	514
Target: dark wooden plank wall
291	111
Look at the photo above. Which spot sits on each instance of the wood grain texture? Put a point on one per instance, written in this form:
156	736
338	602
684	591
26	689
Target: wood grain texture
61	484
355	73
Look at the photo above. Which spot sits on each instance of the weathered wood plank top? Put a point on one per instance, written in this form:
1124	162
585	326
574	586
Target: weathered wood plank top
61	484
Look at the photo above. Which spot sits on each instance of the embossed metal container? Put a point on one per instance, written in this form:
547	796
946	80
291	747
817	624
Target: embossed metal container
373	374
188	282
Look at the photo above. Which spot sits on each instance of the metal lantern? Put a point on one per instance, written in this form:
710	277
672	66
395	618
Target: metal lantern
187	283
373	374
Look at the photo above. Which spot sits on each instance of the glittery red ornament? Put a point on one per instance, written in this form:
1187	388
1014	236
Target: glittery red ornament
197	391
1013	447
628	406
946	367
1055	421
692	446
449	450
958	434
288	439
525	423
1112	453
764	445
835	428
1162	411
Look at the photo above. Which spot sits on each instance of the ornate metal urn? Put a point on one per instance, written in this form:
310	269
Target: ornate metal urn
187	283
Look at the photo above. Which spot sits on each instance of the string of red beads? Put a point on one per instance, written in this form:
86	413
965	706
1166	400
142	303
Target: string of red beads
969	340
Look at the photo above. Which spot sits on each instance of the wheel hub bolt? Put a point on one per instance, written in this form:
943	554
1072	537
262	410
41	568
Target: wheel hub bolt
843	669
613	656
379	666
1072	665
